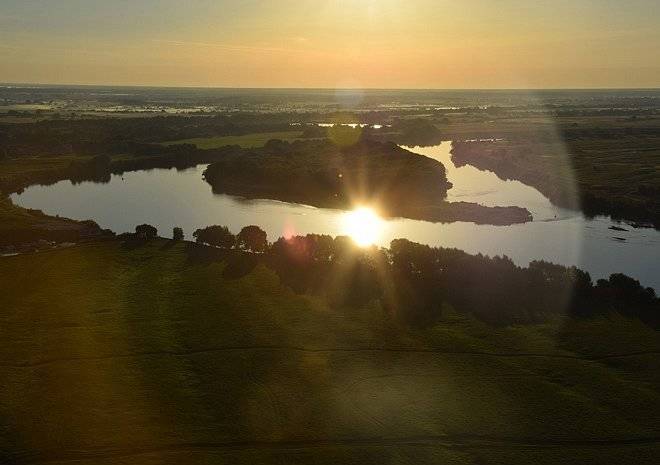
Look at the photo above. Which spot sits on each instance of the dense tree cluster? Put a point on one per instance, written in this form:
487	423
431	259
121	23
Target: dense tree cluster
252	238
414	283
146	232
417	131
217	236
332	266
319	172
325	174
177	234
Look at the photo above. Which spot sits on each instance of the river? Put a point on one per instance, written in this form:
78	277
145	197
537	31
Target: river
166	198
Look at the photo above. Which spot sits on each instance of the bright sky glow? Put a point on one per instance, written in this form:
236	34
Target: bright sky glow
332	43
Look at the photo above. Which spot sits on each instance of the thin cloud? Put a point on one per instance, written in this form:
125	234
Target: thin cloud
230	47
60	50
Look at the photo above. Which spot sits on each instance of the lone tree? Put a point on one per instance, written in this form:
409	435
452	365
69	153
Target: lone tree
215	235
177	234
252	238
146	231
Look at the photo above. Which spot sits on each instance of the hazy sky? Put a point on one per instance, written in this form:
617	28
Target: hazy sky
333	43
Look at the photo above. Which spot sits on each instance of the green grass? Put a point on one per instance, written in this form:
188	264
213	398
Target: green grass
27	165
109	355
13	217
245	141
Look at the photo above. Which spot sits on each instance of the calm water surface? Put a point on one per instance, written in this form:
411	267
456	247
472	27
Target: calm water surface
168	198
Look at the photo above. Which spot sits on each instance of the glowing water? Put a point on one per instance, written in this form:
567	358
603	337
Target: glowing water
168	198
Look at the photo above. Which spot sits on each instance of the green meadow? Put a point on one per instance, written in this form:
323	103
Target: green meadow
258	139
142	355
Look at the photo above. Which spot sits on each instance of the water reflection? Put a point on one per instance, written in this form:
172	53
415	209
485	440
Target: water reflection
363	225
168	198
484	187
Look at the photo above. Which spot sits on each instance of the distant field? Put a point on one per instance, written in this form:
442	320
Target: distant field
25	165
245	141
142	356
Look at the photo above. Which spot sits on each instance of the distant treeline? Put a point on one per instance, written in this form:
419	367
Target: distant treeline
100	167
620	183
97	136
415	283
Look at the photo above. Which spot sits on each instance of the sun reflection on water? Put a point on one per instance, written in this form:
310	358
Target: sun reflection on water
363	225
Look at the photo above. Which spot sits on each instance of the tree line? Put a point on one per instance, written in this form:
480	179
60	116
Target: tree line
415	283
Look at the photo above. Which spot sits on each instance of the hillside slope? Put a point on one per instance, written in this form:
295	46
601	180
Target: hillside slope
141	356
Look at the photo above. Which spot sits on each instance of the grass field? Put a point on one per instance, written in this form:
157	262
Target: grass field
111	355
27	165
245	141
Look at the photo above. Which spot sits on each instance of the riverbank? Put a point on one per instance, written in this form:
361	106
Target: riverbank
602	174
23	230
168	198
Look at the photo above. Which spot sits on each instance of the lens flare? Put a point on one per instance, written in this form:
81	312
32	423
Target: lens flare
363	225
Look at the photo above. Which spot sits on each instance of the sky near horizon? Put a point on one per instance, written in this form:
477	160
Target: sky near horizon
332	43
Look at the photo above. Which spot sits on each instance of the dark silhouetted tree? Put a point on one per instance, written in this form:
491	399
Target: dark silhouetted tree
626	296
177	234
252	238
215	235
414	283
146	231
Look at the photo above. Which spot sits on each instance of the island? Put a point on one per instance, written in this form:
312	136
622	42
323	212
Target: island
396	182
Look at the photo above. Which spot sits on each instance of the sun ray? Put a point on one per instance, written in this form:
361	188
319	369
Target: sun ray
363	225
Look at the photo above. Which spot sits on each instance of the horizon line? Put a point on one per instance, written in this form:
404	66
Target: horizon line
152	86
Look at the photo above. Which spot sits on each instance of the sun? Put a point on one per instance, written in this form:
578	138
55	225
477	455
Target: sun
363	225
